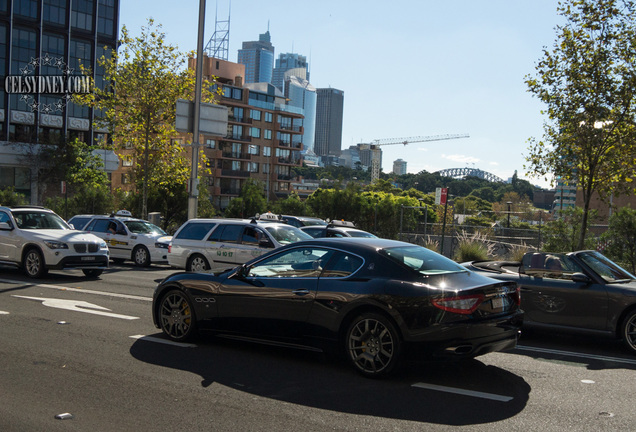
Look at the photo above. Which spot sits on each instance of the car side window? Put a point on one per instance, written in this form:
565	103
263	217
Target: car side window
99	225
227	233
300	262
195	230
342	265
251	236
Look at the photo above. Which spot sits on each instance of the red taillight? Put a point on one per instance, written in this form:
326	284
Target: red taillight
516	296
460	304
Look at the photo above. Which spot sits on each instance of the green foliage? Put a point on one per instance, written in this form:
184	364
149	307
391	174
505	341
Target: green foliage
145	77
96	200
292	205
562	235
588	84
8	197
251	201
472	247
620	238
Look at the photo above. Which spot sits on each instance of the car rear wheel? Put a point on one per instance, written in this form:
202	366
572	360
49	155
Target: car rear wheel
197	263
373	345
176	316
92	273
34	265
141	256
628	331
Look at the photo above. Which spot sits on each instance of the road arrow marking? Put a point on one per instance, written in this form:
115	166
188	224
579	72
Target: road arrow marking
78	306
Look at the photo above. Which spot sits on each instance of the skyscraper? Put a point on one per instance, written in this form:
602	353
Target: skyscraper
399	167
300	93
258	58
329	114
286	62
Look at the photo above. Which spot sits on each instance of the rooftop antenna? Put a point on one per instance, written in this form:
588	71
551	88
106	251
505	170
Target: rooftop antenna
219	44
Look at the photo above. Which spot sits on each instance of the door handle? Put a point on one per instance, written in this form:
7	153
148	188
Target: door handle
301	292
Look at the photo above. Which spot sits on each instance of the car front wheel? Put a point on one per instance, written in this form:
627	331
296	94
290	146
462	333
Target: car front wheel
628	331
141	256
34	265
176	316
197	263
372	345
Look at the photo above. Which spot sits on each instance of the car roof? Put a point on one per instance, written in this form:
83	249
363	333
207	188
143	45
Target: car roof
25	208
354	243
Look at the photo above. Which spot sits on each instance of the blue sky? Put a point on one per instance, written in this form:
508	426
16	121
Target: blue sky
407	68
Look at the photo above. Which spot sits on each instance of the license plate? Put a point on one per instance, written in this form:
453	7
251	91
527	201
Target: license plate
497	302
91	258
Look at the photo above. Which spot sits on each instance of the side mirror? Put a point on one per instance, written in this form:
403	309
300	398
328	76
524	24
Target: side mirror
264	242
5	226
581	278
240	272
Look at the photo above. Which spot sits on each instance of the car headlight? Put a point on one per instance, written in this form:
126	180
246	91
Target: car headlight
55	244
103	245
162	245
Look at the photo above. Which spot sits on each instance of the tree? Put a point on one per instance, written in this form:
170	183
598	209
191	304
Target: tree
145	78
621	238
251	200
588	82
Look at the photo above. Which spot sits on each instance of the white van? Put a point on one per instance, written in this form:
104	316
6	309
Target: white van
201	244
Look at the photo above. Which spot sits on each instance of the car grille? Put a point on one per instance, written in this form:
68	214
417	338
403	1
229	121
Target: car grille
83	247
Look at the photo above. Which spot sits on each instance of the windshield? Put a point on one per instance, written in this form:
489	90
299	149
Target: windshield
32	220
143	227
423	260
287	234
605	268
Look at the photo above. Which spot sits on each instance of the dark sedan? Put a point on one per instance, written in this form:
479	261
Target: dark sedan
366	297
580	291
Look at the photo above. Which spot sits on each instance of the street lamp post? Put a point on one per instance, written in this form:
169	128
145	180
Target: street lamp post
509	204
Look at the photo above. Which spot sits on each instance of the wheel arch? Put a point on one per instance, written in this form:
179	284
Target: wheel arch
160	294
27	247
362	309
621	320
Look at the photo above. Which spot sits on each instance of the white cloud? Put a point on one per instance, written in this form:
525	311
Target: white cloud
461	158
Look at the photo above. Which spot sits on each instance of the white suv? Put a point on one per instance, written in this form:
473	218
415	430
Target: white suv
131	239
200	244
36	239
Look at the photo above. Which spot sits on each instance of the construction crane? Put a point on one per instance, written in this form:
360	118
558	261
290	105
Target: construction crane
376	153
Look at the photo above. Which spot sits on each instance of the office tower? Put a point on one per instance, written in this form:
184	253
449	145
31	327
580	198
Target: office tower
399	167
287	61
258	58
47	40
329	114
300	93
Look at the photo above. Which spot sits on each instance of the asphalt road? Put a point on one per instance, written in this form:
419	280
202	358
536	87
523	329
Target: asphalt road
89	349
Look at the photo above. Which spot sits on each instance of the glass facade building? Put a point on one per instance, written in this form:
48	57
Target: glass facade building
48	40
258	58
286	62
300	93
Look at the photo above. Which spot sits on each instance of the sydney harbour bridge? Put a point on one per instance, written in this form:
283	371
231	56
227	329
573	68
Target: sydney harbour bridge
458	173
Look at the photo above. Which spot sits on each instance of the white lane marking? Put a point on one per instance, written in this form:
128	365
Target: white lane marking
163	341
78	306
464	392
575	354
63	288
4	313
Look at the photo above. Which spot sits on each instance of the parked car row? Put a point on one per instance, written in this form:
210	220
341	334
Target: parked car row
270	281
